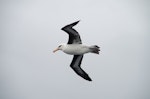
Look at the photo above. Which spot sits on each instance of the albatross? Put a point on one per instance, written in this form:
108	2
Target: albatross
76	48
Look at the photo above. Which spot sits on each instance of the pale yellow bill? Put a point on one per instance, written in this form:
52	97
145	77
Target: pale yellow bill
55	50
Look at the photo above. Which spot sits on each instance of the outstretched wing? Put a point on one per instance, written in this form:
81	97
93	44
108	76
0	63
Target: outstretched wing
74	37
75	65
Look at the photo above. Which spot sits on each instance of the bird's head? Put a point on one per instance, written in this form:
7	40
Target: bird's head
60	47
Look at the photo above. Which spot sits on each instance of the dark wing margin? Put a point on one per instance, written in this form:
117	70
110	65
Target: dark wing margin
74	37
75	65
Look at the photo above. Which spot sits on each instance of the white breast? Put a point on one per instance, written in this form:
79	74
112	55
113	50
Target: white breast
76	49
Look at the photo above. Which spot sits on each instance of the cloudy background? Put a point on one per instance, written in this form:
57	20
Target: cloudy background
30	30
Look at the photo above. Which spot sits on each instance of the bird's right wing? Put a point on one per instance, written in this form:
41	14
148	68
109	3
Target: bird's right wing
75	65
74	37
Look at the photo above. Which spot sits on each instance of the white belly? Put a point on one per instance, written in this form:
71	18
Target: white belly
76	49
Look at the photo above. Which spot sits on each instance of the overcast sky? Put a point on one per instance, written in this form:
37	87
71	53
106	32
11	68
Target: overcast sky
30	30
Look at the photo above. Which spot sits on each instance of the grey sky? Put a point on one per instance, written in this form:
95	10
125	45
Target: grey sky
30	30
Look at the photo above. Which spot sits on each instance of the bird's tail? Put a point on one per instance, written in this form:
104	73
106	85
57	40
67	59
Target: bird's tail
95	49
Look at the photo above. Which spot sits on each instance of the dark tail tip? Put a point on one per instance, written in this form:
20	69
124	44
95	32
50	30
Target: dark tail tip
95	49
97	46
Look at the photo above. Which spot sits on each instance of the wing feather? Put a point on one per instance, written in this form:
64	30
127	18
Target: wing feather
74	37
75	65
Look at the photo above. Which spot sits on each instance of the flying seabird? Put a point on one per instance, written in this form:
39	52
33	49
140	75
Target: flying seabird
76	48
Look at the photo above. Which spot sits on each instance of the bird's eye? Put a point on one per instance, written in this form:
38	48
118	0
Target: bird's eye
59	46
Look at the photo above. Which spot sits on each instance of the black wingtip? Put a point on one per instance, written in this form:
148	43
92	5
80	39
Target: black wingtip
77	22
74	23
88	78
70	25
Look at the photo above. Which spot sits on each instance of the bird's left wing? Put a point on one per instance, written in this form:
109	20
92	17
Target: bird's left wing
75	65
74	37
